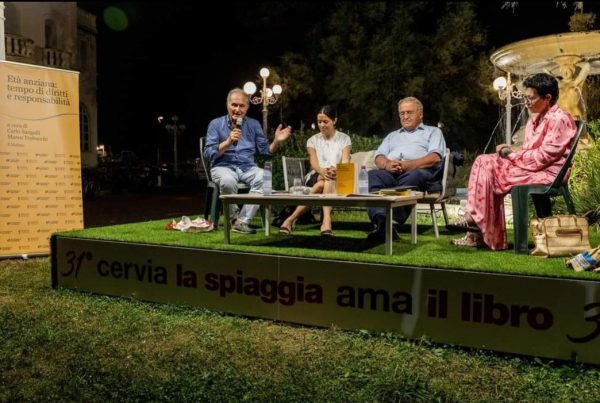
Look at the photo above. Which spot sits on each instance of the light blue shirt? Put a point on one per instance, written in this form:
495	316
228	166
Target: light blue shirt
241	155
411	145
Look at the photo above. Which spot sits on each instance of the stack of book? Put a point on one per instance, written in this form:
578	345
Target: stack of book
395	191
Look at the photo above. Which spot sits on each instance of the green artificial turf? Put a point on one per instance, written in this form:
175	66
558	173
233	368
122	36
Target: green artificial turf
68	346
349	244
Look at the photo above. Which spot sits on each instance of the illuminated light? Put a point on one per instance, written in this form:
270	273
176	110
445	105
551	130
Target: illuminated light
506	91
499	83
267	95
115	18
249	88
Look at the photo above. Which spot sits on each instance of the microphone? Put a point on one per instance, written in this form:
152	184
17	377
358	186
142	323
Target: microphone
238	124
505	151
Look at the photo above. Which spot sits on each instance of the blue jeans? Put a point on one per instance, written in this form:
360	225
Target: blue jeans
381	179
228	178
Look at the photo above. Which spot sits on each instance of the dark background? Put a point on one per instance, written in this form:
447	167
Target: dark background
177	58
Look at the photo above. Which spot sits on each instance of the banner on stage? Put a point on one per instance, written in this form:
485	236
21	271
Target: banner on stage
547	317
40	164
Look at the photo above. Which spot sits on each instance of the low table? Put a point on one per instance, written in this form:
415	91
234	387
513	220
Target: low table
286	199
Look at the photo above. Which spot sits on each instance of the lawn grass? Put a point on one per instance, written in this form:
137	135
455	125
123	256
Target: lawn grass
63	345
350	244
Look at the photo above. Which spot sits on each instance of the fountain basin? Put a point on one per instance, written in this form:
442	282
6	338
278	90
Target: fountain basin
546	53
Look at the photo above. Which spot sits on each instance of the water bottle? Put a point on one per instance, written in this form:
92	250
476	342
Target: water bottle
363	181
267	179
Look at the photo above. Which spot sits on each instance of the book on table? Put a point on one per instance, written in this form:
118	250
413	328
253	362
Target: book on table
345	178
395	191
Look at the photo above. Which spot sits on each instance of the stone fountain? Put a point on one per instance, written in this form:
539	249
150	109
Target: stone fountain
570	57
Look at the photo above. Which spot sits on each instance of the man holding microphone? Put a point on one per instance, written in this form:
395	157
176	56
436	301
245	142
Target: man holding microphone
231	143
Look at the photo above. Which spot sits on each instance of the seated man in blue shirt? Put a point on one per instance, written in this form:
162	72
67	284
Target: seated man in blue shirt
409	156
231	142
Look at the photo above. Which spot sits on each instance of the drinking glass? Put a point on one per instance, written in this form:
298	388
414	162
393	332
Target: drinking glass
297	187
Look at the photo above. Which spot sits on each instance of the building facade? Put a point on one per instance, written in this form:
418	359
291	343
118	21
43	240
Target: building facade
59	35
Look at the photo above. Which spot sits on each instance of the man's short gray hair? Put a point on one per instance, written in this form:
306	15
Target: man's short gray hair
234	91
412	99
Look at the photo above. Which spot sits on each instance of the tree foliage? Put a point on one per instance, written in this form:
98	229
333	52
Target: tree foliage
366	56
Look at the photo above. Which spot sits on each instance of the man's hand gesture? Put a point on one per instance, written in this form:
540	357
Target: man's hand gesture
282	134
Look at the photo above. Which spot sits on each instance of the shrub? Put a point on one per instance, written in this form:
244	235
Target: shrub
465	169
584	181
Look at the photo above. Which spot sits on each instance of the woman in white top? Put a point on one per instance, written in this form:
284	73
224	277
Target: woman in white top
325	149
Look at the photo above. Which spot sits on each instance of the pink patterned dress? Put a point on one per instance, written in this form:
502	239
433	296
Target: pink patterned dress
547	143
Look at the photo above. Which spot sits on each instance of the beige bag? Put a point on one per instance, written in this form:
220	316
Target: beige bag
559	235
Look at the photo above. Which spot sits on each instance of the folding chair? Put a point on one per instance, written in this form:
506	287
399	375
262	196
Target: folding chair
448	183
294	168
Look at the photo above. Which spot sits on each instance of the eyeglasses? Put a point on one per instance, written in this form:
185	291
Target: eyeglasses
531	100
407	113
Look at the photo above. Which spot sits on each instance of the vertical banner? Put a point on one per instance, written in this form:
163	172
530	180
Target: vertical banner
40	164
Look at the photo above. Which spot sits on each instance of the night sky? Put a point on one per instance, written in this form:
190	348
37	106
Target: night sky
146	70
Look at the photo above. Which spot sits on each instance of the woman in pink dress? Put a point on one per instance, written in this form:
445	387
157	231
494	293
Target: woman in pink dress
548	137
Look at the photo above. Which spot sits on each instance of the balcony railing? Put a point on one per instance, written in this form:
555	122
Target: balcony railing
18	48
56	58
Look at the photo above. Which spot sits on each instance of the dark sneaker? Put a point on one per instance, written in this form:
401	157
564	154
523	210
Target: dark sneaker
378	235
242	228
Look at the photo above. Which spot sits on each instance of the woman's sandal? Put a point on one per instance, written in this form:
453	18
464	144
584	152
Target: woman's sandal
462	224
285	230
469	240
327	232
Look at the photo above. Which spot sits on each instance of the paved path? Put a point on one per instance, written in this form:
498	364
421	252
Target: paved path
134	207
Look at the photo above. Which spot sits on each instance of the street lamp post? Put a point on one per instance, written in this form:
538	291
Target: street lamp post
175	129
506	91
267	96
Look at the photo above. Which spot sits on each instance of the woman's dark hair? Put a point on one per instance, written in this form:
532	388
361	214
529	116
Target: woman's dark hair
544	84
329	110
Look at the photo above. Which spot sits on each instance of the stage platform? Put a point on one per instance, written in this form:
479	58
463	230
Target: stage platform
449	295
